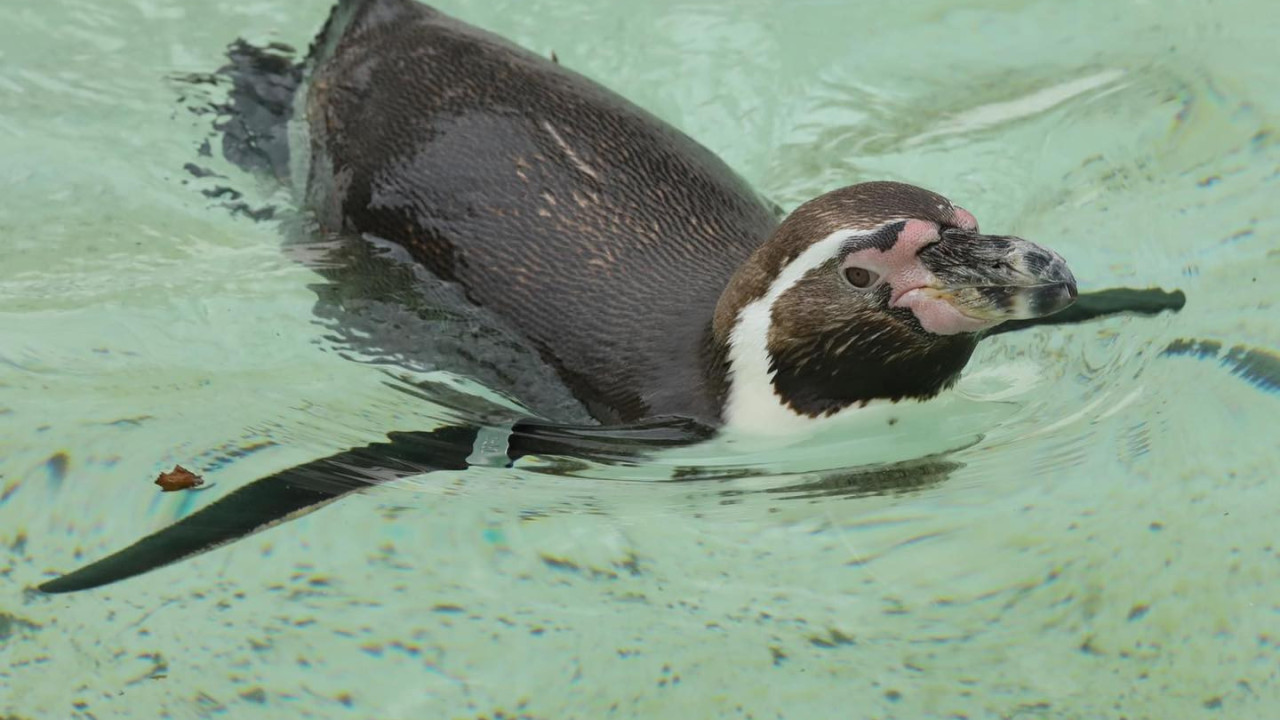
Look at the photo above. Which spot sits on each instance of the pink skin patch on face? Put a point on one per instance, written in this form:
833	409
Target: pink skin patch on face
964	219
938	316
910	282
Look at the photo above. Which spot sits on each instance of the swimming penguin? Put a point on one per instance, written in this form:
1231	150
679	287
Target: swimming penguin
664	294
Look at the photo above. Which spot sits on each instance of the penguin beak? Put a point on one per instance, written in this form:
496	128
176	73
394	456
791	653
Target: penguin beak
987	279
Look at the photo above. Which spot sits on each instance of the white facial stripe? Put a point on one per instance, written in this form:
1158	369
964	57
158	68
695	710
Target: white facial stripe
753	406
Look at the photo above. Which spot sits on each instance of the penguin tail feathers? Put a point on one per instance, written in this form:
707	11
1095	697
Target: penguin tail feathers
352	17
266	83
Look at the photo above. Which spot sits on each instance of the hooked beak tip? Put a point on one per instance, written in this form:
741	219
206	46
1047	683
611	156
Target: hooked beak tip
1049	299
1060	292
995	278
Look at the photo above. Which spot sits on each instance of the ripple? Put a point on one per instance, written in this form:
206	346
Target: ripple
1086	524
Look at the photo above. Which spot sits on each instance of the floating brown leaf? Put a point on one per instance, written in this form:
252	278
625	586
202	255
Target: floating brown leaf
179	478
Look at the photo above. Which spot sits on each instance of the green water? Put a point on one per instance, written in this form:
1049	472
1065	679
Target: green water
1105	546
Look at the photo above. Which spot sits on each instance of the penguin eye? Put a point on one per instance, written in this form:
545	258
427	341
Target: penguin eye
860	278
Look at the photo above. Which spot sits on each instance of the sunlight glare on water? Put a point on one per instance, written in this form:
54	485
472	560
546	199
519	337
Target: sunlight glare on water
1085	528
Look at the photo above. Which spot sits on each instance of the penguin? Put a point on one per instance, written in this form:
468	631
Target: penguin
666	299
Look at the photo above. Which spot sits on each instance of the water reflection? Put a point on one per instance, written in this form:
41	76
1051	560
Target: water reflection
891	479
1107	549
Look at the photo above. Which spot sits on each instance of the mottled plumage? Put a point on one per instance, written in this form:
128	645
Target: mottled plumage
591	237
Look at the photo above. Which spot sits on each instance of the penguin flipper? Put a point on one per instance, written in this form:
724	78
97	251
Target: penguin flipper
1113	301
609	444
276	499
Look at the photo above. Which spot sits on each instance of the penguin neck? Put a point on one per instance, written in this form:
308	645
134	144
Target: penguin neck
772	382
749	284
738	362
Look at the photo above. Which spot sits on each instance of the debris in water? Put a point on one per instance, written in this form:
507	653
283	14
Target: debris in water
179	478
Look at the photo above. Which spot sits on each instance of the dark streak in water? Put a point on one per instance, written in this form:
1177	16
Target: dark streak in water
56	466
1256	366
886	479
1199	348
200	172
131	421
226	454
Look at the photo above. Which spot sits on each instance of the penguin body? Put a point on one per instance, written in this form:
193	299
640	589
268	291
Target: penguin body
622	276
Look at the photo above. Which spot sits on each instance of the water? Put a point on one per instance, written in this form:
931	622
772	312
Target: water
1102	545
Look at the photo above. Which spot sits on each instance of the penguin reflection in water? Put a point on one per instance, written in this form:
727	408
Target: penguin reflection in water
653	295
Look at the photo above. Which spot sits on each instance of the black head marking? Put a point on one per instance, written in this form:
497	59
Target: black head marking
882	239
853	349
817	383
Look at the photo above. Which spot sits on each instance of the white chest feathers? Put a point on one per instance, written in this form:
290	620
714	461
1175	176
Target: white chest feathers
753	405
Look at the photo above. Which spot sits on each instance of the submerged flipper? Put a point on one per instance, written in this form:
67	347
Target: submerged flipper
301	489
602	443
1090	306
277	498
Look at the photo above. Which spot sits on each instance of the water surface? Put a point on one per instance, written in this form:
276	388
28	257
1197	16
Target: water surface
1099	543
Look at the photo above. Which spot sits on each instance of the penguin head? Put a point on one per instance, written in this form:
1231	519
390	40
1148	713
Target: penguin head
874	291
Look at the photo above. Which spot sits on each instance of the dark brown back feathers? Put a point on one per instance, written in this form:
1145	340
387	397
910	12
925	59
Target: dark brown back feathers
600	232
